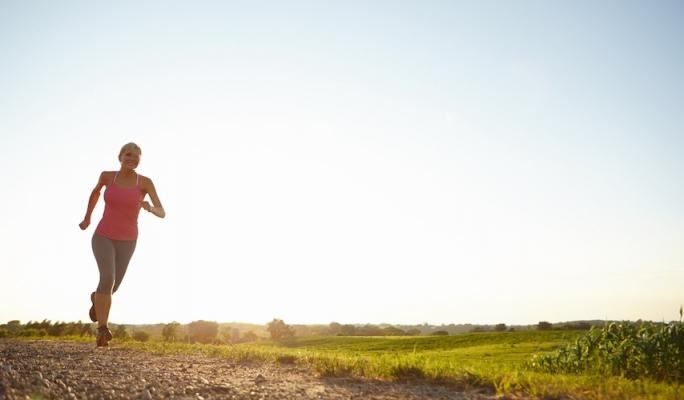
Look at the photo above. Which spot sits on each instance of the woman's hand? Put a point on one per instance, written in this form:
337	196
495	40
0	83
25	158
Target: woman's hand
158	211
148	188
84	224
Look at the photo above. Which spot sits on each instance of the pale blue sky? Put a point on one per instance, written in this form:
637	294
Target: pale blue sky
399	162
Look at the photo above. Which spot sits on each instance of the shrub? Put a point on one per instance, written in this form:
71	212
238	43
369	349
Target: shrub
141	336
87	330
249	336
33	332
120	332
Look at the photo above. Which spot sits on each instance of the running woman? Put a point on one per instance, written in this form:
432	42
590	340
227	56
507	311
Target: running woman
115	237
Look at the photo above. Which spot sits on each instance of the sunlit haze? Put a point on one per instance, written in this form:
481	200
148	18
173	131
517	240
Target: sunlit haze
357	162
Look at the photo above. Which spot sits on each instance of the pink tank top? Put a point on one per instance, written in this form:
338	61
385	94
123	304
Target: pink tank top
122	206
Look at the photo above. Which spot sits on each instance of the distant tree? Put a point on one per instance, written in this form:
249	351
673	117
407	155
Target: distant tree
13	327
583	326
4	333
393	331
279	330
170	331
544	326
203	331
235	335
45	324
369	330
478	329
347	330
500	328
141	336
414	332
440	333
225	335
334	328
120	332
580	326
249	336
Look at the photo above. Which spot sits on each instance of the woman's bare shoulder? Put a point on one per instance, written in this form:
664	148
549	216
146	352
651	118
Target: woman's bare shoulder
107	176
145	181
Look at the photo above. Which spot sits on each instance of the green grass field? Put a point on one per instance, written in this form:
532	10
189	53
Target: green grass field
495	360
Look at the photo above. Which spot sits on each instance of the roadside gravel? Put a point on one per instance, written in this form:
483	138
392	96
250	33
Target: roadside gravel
69	370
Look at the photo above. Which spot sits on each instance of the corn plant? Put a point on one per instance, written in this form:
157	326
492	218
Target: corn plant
630	350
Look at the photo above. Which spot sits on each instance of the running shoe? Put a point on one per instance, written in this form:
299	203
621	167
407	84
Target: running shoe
91	313
104	335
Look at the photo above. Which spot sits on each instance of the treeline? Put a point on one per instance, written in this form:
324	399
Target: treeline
197	331
46	328
212	332
541	326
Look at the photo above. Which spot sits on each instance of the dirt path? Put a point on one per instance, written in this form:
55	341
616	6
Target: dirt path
68	370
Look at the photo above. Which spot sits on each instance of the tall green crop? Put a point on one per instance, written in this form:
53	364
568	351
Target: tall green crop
644	350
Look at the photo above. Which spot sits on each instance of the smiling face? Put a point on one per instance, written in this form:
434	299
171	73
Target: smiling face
130	156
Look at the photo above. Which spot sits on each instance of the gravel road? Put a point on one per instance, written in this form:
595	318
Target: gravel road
69	370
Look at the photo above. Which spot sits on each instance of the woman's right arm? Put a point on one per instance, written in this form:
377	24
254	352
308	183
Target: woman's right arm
92	201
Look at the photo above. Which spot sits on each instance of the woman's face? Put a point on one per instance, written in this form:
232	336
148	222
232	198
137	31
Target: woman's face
130	158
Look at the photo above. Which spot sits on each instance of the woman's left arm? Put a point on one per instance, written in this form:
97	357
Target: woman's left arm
156	208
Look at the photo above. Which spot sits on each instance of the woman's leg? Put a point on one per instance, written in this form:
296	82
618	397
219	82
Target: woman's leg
124	251
105	255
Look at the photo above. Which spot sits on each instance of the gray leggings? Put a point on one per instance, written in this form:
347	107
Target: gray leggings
112	258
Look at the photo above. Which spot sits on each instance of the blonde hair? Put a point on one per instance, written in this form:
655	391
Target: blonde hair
128	146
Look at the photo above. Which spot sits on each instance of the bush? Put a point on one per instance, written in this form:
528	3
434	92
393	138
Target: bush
630	350
32	332
87	330
120	332
249	336
141	336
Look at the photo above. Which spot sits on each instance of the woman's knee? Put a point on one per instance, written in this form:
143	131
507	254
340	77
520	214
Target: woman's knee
106	285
